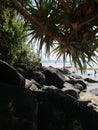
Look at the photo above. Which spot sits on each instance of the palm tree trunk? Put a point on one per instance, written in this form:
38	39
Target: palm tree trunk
64	61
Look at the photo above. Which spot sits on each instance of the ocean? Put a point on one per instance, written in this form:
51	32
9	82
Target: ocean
55	63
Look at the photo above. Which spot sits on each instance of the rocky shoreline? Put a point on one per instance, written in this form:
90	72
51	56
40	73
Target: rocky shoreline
47	99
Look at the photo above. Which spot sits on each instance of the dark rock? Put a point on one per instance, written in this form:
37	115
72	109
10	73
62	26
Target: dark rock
78	86
30	83
54	77
64	71
49	88
9	75
72	92
29	74
79	81
60	111
49	108
69	85
15	124
91	80
25	71
15	100
22	66
25	106
76	125
39	77
89	74
52	113
77	76
22	72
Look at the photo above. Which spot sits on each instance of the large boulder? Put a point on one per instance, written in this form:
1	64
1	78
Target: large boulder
15	123
78	81
60	111
19	103
54	77
39	77
9	75
70	90
15	101
30	83
30	74
27	106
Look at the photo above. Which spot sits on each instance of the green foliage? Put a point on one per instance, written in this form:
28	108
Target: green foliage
13	37
73	26
27	57
41	9
11	34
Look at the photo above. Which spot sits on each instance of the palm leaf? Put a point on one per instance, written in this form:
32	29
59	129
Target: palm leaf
75	33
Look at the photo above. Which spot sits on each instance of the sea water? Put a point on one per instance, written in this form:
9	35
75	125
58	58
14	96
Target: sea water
55	63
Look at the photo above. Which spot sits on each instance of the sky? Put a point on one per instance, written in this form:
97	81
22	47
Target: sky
52	56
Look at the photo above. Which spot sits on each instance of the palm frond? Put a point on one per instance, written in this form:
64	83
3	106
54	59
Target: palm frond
76	33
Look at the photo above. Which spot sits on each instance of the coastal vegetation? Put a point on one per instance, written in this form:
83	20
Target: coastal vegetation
68	27
47	98
13	38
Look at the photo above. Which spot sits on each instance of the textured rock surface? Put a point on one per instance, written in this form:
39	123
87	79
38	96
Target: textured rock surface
56	105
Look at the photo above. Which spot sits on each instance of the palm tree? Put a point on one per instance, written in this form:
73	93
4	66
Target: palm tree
73	25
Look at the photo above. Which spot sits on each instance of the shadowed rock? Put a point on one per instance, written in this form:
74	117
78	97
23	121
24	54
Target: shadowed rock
91	80
77	81
9	75
28	106
60	111
54	77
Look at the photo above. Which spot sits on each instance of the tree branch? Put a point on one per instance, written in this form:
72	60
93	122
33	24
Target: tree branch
43	28
89	20
74	32
17	5
65	6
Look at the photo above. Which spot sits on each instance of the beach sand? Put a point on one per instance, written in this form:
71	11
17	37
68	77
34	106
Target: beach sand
90	97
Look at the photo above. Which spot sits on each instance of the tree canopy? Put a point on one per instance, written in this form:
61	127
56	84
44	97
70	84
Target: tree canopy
11	33
70	25
13	37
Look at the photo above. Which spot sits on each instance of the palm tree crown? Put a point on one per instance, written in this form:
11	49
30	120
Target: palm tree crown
70	25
